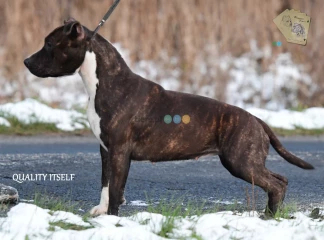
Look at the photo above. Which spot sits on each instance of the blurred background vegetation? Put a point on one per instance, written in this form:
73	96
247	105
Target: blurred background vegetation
190	30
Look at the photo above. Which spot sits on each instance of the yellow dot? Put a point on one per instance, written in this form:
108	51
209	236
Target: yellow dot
185	119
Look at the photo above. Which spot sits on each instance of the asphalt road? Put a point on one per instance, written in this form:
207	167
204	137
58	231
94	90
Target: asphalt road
194	180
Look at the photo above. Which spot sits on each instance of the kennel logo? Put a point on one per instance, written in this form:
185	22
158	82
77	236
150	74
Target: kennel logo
294	26
38	177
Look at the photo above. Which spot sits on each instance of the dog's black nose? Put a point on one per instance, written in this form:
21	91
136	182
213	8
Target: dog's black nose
26	62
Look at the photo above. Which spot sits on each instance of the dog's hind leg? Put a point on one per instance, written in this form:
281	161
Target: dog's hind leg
262	177
275	185
245	158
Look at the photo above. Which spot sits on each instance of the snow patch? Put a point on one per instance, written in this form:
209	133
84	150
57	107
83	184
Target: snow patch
32	221
138	203
30	111
227	202
4	122
276	88
311	118
68	218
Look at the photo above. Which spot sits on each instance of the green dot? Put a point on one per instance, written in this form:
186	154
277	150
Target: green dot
167	119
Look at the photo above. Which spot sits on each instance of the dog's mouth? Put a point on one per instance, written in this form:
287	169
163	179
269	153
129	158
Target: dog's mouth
37	70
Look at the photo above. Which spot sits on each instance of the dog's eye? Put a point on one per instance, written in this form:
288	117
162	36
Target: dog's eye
48	45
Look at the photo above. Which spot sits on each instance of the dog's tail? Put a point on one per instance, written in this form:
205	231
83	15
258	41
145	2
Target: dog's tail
281	150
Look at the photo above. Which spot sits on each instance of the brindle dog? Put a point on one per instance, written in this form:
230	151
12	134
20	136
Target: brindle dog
118	98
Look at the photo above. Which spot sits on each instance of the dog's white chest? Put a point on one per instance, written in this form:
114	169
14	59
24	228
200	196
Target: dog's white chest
94	120
91	82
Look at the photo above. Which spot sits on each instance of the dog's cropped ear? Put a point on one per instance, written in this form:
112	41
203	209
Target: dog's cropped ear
73	29
69	21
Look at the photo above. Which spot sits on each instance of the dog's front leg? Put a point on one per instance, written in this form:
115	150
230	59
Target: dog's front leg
102	208
119	165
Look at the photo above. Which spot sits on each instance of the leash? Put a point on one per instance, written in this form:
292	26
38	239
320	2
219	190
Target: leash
104	19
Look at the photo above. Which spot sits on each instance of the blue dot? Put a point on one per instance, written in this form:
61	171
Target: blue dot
176	119
278	43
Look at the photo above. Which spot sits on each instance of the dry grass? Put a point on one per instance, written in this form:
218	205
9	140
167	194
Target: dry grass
188	29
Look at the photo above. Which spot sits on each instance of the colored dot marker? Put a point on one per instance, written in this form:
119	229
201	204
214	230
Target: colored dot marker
186	119
167	119
278	44
176	119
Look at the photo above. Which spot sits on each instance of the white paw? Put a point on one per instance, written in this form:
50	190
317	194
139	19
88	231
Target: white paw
123	201
98	210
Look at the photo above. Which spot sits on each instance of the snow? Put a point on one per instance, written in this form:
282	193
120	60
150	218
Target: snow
138	203
4	122
227	202
68	218
311	118
27	219
31	111
274	89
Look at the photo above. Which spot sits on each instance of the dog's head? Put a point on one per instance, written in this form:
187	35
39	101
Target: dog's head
63	51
